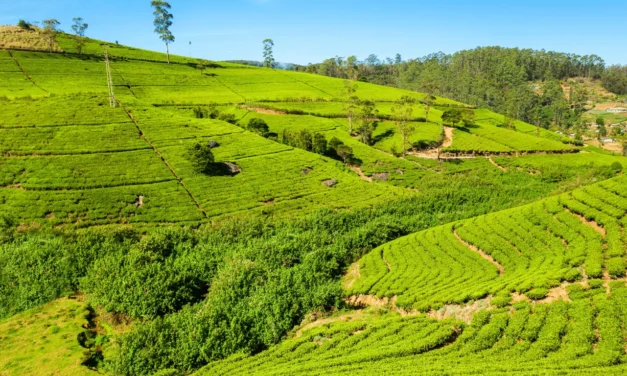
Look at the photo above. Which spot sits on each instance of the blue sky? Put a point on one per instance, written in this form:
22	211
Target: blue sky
306	32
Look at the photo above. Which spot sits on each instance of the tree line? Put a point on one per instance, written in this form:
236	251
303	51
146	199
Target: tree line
493	77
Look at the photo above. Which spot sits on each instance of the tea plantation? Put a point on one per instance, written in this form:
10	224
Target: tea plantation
482	246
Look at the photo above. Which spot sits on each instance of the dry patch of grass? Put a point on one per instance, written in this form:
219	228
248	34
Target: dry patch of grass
18	38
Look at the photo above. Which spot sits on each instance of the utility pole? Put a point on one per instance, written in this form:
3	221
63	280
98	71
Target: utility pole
109	80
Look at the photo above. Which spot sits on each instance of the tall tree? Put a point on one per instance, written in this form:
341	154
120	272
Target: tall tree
351	102
51	29
79	28
163	22
268	54
403	111
367	121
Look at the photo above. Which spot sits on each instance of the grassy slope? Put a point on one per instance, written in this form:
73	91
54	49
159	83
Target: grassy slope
80	124
42	341
539	246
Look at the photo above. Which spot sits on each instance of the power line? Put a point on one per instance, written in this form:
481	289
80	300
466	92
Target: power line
109	80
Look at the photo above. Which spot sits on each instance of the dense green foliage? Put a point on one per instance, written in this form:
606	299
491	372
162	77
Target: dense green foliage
614	79
493	77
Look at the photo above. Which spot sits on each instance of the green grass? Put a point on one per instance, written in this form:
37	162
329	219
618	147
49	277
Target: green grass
42	341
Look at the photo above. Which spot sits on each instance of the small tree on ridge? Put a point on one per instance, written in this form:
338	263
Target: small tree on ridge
268	55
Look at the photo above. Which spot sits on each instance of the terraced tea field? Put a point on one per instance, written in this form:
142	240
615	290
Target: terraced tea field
485	250
534	289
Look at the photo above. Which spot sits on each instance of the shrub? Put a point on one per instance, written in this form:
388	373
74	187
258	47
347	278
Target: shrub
258	126
572	275
537	294
24	25
319	144
154	277
617	167
201	157
616	267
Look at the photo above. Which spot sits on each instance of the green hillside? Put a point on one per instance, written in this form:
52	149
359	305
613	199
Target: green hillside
482	246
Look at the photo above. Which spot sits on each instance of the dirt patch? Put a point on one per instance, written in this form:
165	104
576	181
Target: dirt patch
608	105
586	222
484	255
269	202
497	165
364	301
518	297
346	318
382	176
352	276
461	312
361	174
448	137
306	170
615	147
556	294
140	202
14	37
330	183
49	216
265	111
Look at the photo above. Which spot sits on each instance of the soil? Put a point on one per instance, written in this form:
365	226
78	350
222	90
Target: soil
361	174
481	253
592	224
140	201
352	276
556	294
497	165
265	111
448	137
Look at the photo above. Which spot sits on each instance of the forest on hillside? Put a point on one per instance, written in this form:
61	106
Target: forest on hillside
524	84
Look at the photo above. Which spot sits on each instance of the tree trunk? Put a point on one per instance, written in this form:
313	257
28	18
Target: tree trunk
167	48
350	125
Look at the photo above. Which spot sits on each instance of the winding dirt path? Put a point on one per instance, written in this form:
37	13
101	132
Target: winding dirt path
497	165
361	174
588	223
481	253
448	137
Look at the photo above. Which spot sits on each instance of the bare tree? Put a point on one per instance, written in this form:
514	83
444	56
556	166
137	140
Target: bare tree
163	22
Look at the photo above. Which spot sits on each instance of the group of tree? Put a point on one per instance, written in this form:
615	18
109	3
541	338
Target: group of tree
614	79
493	77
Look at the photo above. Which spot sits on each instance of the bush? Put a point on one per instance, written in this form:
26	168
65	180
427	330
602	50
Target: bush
258	126
572	275
617	167
616	267
201	157
537	294
319	144
156	276
24	25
